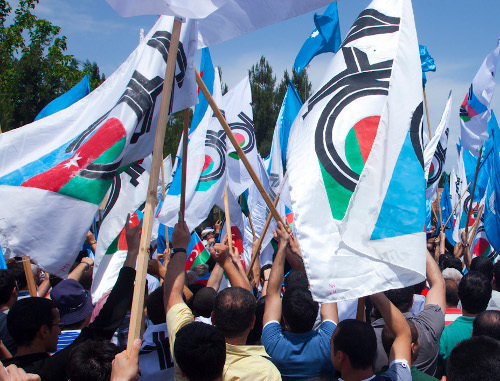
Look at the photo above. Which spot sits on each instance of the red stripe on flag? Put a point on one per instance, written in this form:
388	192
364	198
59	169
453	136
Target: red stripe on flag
366	130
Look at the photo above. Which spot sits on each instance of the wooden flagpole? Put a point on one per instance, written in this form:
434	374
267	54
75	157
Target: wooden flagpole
262	235
228	221
472	195
476	224
439	206
427	114
29	276
251	224
142	261
162	170
184	160
238	149
435	213
458	203
360	311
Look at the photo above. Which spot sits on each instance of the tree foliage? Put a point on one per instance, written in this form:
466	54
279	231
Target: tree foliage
34	69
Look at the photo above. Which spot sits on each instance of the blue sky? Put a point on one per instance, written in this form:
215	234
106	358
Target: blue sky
458	33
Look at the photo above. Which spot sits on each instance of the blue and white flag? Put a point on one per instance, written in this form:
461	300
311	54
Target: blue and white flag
492	204
324	38
426	62
446	209
73	95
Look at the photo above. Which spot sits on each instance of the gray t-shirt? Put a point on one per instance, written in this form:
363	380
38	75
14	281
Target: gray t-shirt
430	325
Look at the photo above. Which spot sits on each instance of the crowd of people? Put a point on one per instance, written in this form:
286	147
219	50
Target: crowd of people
266	327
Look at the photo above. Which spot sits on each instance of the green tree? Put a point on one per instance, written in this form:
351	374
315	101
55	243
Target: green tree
263	82
301	82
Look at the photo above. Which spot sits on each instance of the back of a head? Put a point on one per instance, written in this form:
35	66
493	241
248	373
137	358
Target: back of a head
388	336
483	265
155	307
452	274
299	309
452	262
203	302
487	323
451	293
496	273
358	341
296	279
26	316
402	298
474	292
7	284
234	310
91	361
17	269
201	269
200	351
475	359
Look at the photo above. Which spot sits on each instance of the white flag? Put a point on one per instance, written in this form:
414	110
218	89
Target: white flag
457	189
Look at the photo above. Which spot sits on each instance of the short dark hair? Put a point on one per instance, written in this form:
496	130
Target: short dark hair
451	262
234	310
358	341
155	306
200	351
27	316
299	309
296	279
255	335
486	365
402	298
7	284
487	323
17	269
388	336
474	291
484	265
496	272
203	302
264	268
91	361
451	292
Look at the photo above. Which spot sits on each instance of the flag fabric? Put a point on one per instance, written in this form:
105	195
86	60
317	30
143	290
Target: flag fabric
435	153
426	62
127	196
59	168
446	209
480	245
167	172
324	38
355	162
475	109
492	206
457	190
73	95
221	20
207	73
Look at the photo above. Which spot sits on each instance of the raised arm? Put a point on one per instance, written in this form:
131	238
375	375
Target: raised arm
272	310
216	277
437	292
176	269
220	253
294	255
395	322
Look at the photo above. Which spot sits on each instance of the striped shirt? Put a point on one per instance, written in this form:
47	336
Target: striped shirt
66	338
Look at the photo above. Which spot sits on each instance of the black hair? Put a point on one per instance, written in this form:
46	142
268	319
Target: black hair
155	306
487	323
7	284
451	292
91	361
402	298
451	262
483	265
234	310
203	302
475	359
388	336
255	335
358	341
496	272
474	291
194	288
200	351
54	280
264	268
27	316
419	287
296	279
17	269
299	309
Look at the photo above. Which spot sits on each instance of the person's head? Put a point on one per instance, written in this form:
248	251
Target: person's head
296	279
452	274
487	323
191	277
496	276
474	292
200	352
354	345
388	339
73	302
299	309
485	365
451	293
452	262
203	302
208	233
201	269
262	272
155	307
17	269
34	319
234	312
8	288
402	298
483	265
255	335
91	361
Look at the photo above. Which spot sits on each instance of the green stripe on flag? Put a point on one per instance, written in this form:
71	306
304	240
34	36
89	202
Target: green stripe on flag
202	258
353	152
112	153
338	196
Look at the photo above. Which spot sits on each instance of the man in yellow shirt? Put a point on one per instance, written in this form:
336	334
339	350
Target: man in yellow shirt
233	315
